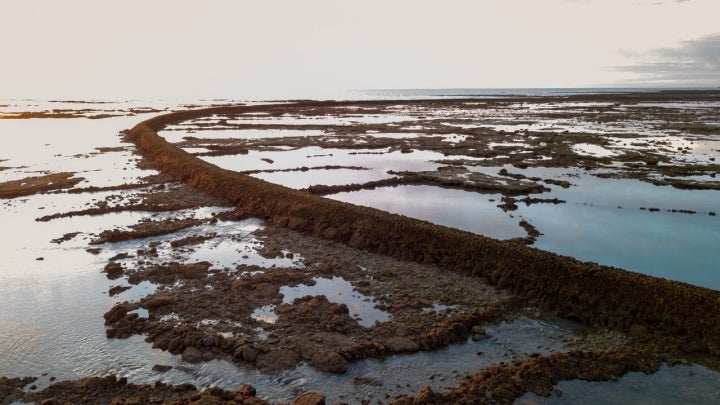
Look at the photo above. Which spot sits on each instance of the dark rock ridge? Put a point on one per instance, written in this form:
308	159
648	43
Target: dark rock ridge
118	391
674	312
505	383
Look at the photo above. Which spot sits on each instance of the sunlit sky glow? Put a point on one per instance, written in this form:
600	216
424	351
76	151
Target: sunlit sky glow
320	48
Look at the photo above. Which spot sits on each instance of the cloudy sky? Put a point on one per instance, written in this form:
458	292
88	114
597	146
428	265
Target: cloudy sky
320	48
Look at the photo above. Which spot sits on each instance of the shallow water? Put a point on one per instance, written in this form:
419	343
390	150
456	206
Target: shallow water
380	160
607	221
602	220
337	290
671	385
178	133
51	318
459	209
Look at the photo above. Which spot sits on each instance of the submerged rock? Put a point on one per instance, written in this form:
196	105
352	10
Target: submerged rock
192	355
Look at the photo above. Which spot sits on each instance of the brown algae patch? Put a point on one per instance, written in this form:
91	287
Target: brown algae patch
38	184
152	195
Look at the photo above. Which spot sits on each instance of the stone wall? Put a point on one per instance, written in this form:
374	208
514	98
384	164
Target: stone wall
676	312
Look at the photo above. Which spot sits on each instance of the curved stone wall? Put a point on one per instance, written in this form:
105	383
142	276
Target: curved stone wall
675	312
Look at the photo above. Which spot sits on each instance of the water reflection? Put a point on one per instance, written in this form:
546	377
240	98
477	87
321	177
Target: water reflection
459	209
336	290
670	385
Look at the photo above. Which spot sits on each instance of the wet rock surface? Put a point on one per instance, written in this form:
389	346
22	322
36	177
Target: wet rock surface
504	383
204	313
117	391
38	184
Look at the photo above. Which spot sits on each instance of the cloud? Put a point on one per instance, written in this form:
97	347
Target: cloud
693	63
657	2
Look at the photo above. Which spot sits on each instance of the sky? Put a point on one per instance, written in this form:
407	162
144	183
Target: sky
321	48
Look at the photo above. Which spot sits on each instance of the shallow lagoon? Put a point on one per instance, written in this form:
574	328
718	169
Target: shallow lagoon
602	221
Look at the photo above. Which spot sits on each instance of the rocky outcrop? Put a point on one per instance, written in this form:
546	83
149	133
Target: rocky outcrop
38	184
118	391
505	383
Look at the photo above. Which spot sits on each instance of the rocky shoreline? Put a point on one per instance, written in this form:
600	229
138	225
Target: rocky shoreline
409	267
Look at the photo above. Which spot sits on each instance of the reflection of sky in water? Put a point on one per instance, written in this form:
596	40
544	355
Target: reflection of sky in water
51	318
336	290
590	226
670	245
586	149
234	246
670	385
326	177
265	314
316	156
44	147
210	134
345	119
460	209
339	291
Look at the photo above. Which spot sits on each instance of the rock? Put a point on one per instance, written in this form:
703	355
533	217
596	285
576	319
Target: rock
331	362
50	401
460	330
282	359
9	394
114	270
402	344
246	353
246	391
478	333
309	398
425	396
117	290
194	270
263	291
192	355
402	331
157	302
115	314
161	368
208	341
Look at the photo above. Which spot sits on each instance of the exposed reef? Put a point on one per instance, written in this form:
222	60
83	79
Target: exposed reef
38	184
670	311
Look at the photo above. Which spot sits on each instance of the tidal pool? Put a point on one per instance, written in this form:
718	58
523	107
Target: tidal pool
469	211
628	224
337	290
